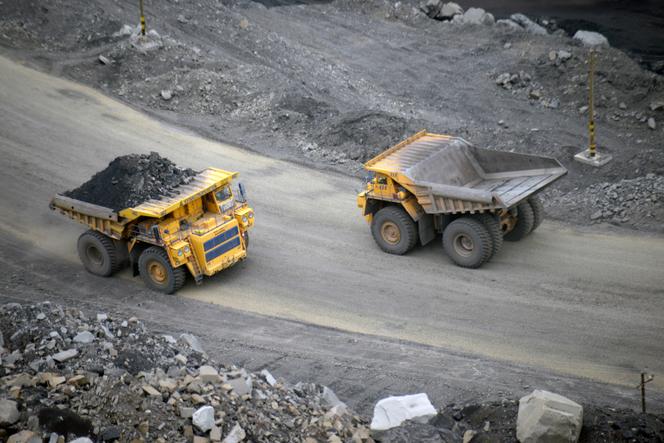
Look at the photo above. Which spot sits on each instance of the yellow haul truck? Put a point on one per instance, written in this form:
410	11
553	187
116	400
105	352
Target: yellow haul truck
433	183
202	228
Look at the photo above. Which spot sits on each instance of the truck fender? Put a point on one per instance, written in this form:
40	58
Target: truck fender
413	208
426	228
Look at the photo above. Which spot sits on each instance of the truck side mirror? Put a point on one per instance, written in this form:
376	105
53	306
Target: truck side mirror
242	192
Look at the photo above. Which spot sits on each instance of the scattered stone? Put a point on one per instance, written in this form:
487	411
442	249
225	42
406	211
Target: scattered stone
81	440
24	437
477	16
564	55
527	24
208	374
203	418
392	411
268	377
152	392
244	23
193	342
654	106
103	60
509	26
241	385
41	316
591	39
469	435
102	317
652	124
545	416
166	94
215	433
84	337
8	412
236	435
65	355
186	412
622	105
449	10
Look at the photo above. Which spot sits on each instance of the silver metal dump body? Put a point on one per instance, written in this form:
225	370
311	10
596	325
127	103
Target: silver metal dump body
449	175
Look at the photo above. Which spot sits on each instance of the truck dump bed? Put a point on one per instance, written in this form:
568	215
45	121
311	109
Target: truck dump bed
449	175
112	223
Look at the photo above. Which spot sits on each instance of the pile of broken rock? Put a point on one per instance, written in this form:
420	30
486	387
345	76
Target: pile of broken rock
67	377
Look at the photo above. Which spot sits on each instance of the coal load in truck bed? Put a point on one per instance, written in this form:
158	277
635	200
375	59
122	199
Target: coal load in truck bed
132	179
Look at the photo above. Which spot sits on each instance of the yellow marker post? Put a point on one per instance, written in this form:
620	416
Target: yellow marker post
590	156
592	148
142	18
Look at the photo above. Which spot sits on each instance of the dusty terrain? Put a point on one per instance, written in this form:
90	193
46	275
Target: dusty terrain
331	84
563	301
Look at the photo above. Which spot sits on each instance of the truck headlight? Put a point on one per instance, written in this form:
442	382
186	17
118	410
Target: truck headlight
245	220
251	215
180	252
187	249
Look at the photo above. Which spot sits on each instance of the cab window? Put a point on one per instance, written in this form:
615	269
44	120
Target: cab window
223	194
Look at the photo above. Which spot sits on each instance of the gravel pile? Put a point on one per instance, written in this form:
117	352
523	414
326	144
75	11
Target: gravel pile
132	179
64	375
628	202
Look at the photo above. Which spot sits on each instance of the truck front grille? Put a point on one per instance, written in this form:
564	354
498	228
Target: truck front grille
221	244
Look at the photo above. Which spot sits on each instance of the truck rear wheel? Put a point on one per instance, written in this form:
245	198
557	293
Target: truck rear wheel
393	230
524	222
467	242
157	273
492	223
98	253
538	211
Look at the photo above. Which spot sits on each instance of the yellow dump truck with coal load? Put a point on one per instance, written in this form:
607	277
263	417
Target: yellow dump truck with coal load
200	229
431	183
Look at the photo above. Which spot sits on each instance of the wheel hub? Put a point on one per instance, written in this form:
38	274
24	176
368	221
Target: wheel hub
157	272
390	233
463	245
94	255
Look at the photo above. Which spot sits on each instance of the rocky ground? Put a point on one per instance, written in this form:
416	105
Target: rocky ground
333	83
132	179
66	374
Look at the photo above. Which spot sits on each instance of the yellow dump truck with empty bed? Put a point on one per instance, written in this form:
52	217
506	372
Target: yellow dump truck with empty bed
431	183
202	228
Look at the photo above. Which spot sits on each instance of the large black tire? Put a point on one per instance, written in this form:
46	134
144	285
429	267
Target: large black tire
393	230
524	222
98	253
467	242
246	240
157	273
492	223
538	211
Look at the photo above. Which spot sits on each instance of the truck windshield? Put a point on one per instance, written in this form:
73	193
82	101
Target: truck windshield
223	194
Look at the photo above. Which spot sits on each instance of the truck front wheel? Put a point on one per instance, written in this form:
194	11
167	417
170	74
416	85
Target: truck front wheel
467	242
393	230
157	273
98	253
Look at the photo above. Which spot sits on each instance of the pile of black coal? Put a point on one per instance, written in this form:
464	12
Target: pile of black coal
132	179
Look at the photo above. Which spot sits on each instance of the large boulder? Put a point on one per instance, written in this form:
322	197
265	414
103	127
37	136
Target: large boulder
545	417
527	24
392	411
591	39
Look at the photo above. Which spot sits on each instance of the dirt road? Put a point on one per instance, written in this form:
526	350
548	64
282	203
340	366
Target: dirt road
575	303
